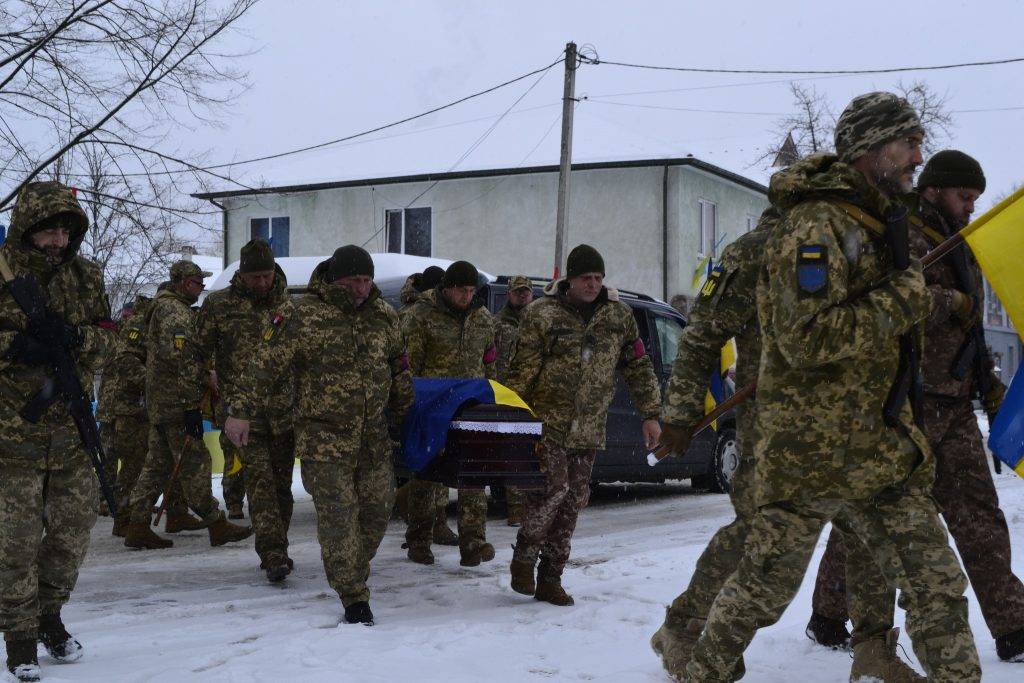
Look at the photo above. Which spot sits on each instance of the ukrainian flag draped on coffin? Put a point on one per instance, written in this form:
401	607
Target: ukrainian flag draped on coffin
425	429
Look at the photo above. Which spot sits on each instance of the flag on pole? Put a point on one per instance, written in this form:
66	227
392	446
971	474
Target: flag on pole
702	271
1006	433
716	390
996	238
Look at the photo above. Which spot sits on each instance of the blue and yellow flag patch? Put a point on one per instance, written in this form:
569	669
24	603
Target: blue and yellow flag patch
812	269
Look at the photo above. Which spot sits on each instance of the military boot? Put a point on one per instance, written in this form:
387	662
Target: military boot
182	521
474	555
420	554
235	511
674	642
22	662
139	535
875	660
56	639
222	531
120	528
1010	647
443	534
359	613
522	567
827	632
549	587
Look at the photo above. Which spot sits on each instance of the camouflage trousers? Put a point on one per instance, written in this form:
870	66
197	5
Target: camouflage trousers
128	443
352	496
549	516
874	605
167	443
233	486
969	504
46	515
829	599
268	461
424	497
907	541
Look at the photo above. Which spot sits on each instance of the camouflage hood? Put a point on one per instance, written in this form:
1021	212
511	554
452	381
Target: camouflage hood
821	176
278	291
334	294
38	201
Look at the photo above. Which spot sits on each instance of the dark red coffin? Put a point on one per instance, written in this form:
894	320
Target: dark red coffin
490	445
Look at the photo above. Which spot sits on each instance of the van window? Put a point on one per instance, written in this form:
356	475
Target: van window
668	330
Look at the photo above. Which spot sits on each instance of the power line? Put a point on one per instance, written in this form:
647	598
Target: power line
686	109
804	72
476	143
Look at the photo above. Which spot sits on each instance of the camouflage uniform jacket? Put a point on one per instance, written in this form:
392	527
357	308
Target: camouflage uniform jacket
174	376
831	312
944	334
348	364
506	329
444	342
123	385
229	329
564	366
74	289
726	307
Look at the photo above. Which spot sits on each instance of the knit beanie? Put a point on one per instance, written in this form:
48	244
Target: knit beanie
430	278
952	168
460	274
256	257
349	260
583	259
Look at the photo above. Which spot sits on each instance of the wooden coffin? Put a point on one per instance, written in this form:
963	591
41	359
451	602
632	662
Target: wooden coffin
490	445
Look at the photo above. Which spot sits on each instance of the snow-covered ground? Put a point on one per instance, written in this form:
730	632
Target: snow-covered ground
200	613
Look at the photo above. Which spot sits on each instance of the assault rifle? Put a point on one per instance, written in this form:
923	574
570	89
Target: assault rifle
63	382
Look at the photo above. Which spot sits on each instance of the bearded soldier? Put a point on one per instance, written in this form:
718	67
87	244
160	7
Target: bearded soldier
174	391
48	491
450	334
506	328
570	345
229	329
343	348
836	440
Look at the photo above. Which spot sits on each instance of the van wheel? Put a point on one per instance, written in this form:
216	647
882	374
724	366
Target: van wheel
724	463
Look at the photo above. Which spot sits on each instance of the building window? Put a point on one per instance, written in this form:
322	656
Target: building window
994	315
409	231
276	231
708	227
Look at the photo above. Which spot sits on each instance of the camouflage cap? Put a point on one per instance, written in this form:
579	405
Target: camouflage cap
183	269
40	201
519	282
873	119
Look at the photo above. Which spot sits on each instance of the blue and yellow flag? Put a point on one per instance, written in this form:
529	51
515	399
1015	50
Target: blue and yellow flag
1006	433
716	390
996	238
425	429
701	272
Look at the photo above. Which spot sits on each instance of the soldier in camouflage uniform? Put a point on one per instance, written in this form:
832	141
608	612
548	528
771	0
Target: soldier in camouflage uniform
343	348
725	309
506	328
570	344
228	331
948	187
174	390
450	334
48	491
832	308
415	286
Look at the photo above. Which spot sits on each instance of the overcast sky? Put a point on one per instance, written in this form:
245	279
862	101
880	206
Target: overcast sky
328	69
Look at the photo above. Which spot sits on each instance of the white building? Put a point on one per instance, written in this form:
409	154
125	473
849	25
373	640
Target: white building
653	219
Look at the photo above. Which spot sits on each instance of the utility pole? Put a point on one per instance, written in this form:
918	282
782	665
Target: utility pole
565	167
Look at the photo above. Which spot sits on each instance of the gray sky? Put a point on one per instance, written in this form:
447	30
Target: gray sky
327	69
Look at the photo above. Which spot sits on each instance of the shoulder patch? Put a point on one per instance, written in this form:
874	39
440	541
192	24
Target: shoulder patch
133	334
712	282
812	269
179	341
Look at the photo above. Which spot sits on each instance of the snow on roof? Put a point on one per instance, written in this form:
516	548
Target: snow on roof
298	269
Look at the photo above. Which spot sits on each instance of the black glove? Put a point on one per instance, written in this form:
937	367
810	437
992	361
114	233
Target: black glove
896	236
194	423
53	330
27	349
